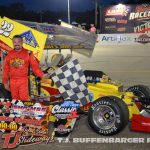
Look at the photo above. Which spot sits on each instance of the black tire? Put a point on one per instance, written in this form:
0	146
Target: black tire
142	92
4	93
119	110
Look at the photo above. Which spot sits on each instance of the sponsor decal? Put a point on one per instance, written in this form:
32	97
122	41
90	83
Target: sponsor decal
6	28
110	19
8	126
36	110
29	39
122	21
17	62
117	11
22	140
67	109
62	129
143	28
143	39
86	107
49	30
121	29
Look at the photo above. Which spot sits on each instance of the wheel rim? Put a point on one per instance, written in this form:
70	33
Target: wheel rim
104	117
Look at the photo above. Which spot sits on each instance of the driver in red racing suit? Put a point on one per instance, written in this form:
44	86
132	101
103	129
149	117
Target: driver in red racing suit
16	69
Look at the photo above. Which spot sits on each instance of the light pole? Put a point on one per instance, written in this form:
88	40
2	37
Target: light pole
96	4
69	11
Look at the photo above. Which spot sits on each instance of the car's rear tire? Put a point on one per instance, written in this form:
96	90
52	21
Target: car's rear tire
108	115
142	92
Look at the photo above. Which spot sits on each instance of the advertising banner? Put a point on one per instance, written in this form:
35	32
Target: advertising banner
126	19
33	39
124	39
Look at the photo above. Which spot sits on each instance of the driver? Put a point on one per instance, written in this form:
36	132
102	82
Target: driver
16	67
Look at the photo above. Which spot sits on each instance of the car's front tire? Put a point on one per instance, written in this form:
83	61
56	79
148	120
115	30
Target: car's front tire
108	115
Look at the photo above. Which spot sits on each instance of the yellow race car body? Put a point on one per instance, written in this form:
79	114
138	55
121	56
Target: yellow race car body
98	90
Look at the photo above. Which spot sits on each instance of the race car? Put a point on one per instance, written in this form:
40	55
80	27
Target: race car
110	107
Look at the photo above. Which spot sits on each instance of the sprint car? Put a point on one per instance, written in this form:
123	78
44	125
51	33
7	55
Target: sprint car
108	112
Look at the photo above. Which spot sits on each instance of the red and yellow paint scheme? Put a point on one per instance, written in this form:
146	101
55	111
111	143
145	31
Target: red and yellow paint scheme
101	89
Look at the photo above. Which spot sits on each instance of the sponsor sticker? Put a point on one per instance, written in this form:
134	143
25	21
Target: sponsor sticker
67	109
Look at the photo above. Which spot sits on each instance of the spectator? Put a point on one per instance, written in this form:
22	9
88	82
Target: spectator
93	29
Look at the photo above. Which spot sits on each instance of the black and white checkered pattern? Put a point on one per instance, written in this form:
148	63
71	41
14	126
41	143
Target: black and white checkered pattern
71	82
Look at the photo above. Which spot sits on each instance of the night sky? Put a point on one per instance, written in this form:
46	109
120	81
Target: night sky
55	5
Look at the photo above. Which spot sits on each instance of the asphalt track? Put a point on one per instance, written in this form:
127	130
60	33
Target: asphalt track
128	64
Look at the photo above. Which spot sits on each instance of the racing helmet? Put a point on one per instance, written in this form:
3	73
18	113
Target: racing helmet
57	60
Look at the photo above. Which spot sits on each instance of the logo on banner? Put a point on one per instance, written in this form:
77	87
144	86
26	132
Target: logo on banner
144	39
110	19
139	15
117	11
116	38
121	29
29	39
143	28
122	21
112	27
142	12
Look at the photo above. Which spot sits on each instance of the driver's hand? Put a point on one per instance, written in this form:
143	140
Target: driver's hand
7	87
46	76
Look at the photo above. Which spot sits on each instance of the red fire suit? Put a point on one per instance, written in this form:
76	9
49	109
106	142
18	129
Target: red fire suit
16	69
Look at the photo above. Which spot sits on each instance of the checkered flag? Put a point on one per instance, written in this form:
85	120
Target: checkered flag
71	82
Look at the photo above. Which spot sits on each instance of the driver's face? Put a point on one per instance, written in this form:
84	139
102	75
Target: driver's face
17	42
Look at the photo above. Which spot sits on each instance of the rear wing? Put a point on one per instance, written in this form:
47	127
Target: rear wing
65	36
